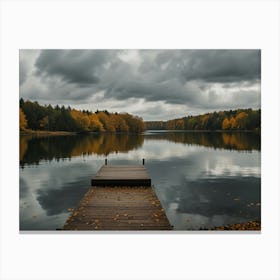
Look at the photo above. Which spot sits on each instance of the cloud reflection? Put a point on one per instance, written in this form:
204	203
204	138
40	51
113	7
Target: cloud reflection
197	185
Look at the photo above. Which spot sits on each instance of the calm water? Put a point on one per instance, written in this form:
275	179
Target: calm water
203	179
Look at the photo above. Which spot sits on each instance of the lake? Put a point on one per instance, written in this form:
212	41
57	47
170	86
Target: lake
203	179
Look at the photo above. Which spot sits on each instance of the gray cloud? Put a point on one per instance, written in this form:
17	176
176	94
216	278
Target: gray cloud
26	64
198	79
223	66
74	66
22	72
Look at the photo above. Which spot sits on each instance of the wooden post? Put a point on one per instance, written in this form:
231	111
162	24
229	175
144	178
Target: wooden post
106	161
143	161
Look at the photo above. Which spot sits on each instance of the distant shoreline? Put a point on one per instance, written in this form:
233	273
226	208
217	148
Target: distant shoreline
63	133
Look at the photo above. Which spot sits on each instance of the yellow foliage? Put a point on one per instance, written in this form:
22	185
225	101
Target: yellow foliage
171	125
81	119
107	123
180	124
226	124
241	120
232	123
104	121
204	119
95	124
23	144
22	120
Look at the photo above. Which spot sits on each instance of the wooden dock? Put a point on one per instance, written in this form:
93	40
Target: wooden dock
121	175
111	205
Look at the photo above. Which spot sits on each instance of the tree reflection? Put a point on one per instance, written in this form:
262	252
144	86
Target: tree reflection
33	148
241	141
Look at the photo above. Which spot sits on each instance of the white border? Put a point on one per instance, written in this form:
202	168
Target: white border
155	24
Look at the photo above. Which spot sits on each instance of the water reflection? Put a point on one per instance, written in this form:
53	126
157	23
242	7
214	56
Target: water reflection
201	181
47	190
56	201
206	187
34	149
237	198
242	141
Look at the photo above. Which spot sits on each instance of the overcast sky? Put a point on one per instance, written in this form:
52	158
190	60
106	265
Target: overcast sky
153	84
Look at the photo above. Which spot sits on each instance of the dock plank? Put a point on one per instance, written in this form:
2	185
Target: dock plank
119	208
121	175
121	198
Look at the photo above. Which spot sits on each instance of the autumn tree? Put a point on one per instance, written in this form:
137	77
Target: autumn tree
226	124
22	120
119	123
95	124
241	120
232	123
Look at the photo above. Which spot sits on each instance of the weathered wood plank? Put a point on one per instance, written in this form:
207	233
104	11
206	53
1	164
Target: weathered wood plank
124	202
118	208
121	175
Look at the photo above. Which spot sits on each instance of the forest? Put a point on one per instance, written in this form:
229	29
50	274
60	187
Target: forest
240	119
34	117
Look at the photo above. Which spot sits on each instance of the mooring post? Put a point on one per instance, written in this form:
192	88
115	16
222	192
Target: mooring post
106	161
143	161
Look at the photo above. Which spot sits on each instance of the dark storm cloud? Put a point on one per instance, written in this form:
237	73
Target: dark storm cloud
220	66
198	79
74	66
170	93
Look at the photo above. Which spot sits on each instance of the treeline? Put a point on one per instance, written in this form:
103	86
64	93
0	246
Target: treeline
240	119
34	116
